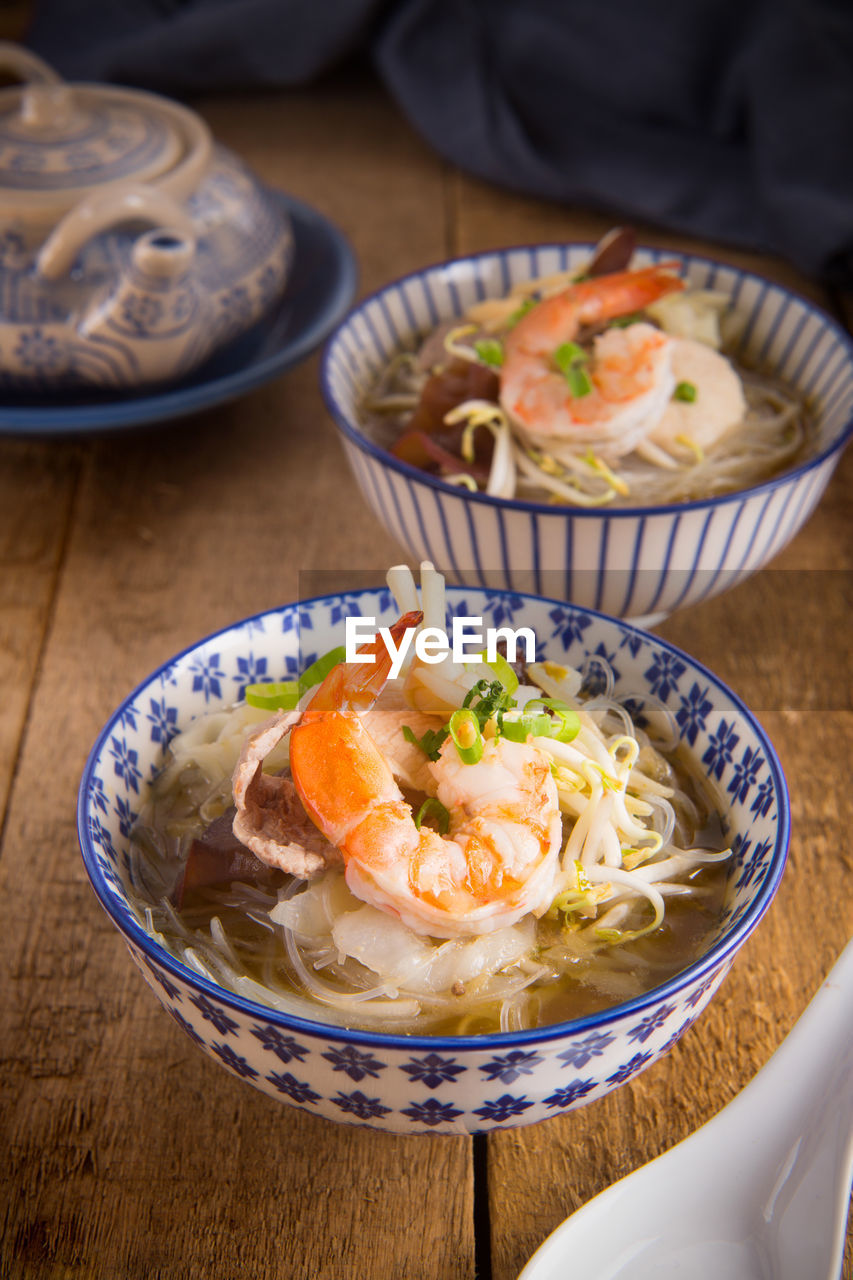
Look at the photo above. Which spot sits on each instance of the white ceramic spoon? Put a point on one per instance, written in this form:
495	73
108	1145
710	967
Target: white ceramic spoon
758	1193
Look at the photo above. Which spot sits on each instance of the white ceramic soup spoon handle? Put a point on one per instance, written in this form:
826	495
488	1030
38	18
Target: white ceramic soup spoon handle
759	1193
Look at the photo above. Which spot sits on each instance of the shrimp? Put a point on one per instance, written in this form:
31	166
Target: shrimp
718	403
629	369
500	857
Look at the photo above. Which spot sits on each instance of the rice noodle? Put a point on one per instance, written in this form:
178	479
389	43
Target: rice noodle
634	838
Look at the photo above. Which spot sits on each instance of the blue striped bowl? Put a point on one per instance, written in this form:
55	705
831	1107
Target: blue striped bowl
633	562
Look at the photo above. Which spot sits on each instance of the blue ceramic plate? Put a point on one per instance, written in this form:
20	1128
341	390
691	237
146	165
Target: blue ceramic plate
321	288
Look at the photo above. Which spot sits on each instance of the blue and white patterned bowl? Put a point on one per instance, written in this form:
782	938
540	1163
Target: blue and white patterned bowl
434	1084
631	562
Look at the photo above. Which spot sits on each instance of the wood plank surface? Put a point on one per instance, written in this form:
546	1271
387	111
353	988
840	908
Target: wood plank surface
124	1152
782	642
36	497
787	654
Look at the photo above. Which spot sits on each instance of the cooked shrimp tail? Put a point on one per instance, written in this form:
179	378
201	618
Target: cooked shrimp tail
499	857
622	292
619	389
557	319
352	688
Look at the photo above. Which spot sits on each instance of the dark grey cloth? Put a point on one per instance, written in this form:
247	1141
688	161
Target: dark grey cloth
185	46
728	119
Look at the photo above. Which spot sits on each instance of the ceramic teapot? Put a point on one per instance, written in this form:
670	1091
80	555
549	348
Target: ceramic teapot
130	246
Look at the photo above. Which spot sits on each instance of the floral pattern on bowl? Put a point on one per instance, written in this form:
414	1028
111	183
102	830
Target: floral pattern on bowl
435	1084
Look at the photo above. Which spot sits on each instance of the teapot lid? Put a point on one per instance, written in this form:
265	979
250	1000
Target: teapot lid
60	142
70	140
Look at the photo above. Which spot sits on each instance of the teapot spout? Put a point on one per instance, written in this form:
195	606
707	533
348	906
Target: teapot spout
153	317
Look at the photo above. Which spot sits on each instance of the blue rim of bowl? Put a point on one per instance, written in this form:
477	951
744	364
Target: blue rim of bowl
139	409
354	434
715	956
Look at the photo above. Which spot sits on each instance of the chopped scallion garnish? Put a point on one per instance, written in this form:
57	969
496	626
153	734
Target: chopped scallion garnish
437	810
465	731
580	383
685	391
430	743
567	354
502	670
526	726
320	669
568	723
282	696
571	359
490	351
492	699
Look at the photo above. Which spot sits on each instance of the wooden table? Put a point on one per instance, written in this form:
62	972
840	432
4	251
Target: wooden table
127	1153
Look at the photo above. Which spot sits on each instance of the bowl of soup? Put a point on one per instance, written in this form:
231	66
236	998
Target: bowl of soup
633	442
567	829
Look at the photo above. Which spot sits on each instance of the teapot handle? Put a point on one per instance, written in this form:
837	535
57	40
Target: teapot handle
129	203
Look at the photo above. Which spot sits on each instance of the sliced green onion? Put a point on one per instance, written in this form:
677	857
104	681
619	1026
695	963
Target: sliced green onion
570	359
441	815
490	351
568	718
502	670
320	669
465	731
273	697
467	723
567	354
526	726
430	743
478	690
685	391
570	725
580	383
492	700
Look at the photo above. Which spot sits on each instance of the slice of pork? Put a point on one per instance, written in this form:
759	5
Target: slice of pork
270	818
